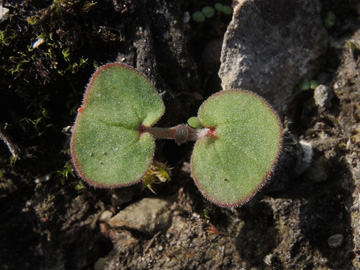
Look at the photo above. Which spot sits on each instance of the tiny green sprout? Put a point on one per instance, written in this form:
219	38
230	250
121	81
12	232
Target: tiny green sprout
227	10
198	16
219	7
313	84
113	140
208	11
194	122
329	20
304	85
308	84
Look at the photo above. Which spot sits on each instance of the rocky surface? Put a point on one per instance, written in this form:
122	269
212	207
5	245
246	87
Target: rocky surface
323	95
269	48
149	215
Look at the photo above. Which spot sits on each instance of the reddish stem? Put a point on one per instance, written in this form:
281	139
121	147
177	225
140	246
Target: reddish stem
181	133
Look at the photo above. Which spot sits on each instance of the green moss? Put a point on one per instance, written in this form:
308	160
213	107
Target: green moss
68	170
46	43
7	36
45	47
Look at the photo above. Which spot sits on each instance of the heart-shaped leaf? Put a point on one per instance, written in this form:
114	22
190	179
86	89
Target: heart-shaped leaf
239	152
107	145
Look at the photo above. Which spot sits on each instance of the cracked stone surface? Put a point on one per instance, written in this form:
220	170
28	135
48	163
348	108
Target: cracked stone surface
269	48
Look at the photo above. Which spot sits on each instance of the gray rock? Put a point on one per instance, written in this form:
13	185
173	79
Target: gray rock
148	215
307	156
335	240
323	96
270	46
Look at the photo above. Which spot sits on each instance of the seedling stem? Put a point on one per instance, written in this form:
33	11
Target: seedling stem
181	133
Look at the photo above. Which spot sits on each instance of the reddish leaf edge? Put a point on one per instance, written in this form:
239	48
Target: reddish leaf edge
102	68
81	109
270	172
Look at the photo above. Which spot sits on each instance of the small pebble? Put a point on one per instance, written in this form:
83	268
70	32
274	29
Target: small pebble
4	14
307	158
323	95
186	17
37	43
267	259
148	215
335	240
106	216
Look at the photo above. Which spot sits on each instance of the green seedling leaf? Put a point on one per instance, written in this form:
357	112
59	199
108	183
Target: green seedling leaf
313	84
304	85
227	10
208	11
108	146
194	122
198	16
238	154
219	7
329	20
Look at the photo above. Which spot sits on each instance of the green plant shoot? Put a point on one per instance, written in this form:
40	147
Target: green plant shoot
238	137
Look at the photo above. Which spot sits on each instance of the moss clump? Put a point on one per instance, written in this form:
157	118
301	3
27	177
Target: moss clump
45	48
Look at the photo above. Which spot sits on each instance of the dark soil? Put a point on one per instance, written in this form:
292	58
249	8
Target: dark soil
50	219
